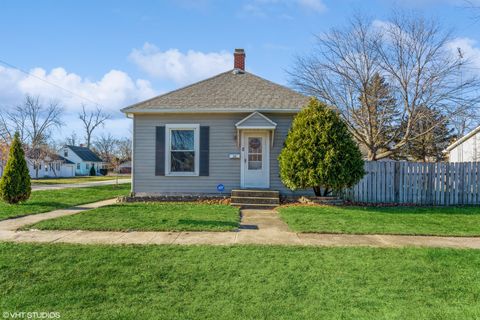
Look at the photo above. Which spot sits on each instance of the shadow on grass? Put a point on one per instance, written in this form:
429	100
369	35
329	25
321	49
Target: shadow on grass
209	223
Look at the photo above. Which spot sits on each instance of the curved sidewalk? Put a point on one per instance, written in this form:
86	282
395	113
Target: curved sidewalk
260	227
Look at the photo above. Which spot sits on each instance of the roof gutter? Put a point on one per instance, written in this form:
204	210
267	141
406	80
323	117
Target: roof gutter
225	110
463	139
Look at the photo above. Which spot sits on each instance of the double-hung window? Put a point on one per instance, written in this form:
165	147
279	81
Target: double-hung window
182	149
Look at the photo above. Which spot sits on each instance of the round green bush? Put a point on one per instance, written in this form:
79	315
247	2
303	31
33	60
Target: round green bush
319	152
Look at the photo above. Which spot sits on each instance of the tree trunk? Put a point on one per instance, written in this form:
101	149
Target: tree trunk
317	191
326	192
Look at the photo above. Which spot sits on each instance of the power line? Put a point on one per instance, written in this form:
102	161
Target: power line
48	82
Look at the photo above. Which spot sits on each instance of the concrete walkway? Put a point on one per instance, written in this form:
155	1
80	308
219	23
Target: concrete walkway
262	227
37	187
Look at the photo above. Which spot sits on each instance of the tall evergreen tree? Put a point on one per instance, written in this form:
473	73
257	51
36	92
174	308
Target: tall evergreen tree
320	152
430	146
93	172
377	116
15	183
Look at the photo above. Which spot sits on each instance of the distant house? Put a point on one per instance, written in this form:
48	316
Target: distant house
465	149
83	158
52	166
126	167
45	163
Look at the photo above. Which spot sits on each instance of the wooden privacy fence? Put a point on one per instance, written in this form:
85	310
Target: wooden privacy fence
418	183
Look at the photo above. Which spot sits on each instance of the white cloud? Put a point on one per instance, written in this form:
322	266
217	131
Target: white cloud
424	3
264	8
315	5
381	25
113	91
182	68
469	50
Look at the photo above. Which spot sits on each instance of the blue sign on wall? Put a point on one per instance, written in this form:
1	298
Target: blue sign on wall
220	187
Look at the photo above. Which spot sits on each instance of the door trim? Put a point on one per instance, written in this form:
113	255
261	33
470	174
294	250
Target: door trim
266	135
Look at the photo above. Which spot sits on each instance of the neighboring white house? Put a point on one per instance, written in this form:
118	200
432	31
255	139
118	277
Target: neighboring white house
466	149
53	166
49	168
83	158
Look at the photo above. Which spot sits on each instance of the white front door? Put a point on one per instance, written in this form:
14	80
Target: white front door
255	158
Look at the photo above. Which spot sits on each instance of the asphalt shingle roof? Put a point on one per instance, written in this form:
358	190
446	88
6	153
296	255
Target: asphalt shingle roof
58	157
85	153
231	90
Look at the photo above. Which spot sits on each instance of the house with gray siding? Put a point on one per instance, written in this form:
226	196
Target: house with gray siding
214	136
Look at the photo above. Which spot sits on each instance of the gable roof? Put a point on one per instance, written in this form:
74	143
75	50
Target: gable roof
256	120
60	158
463	139
46	155
85	153
231	91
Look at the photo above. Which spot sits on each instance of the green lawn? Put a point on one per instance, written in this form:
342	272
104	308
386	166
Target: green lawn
452	221
48	200
77	179
239	282
150	217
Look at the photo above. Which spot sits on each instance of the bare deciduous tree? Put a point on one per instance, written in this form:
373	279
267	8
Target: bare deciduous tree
105	146
412	54
92	120
72	139
124	149
34	121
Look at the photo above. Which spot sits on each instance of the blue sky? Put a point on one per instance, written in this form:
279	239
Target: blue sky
119	52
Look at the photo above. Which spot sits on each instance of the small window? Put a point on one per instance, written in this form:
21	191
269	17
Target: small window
182	149
87	166
65	153
255	153
78	166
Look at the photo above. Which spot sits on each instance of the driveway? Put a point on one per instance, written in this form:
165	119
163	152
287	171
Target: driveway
37	187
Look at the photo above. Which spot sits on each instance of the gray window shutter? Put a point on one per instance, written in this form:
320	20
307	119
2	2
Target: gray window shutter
160	151
204	150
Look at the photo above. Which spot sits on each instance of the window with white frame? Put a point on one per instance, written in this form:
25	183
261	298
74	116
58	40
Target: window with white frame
182	149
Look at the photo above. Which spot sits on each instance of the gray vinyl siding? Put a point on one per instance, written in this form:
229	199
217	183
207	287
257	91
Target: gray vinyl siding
256	121
223	141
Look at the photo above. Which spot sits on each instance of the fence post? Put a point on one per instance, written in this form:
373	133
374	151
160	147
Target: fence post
396	182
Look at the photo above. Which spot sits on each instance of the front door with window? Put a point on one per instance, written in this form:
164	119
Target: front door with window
255	160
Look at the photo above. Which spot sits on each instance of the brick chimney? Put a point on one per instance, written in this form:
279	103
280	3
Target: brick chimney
239	59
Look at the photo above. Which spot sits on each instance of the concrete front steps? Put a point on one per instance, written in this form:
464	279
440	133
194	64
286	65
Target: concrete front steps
255	199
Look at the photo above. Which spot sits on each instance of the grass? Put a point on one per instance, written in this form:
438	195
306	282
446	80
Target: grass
239	282
75	180
48	200
150	217
441	221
